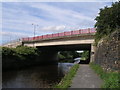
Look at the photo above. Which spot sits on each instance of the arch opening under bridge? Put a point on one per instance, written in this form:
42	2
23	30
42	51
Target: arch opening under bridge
50	53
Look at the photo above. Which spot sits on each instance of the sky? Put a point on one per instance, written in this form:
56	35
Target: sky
51	17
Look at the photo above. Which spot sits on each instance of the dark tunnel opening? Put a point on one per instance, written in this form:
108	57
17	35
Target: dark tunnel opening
50	51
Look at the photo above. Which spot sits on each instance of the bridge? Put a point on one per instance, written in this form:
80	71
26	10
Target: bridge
50	44
13	44
83	36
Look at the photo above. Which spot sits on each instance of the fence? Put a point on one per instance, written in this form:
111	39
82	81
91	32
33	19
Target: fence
69	33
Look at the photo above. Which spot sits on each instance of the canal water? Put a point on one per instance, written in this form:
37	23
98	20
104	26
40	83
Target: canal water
35	77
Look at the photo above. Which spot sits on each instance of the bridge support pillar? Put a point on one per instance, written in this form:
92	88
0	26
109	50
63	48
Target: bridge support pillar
92	53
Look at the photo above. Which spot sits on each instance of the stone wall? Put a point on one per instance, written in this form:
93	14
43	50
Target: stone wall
107	53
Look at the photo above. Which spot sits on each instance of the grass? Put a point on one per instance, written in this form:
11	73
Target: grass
67	79
111	79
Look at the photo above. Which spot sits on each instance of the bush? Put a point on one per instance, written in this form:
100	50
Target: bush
24	50
9	58
7	51
18	57
27	53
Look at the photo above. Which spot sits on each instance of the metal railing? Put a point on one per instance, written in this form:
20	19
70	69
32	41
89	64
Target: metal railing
69	33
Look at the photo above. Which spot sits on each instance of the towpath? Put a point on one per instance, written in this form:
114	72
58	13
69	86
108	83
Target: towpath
86	78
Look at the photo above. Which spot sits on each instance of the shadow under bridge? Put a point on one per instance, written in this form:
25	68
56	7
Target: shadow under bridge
49	54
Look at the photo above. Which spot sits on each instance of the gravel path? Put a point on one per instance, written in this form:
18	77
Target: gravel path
86	78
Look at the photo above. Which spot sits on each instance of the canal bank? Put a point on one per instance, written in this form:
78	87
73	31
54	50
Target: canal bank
67	79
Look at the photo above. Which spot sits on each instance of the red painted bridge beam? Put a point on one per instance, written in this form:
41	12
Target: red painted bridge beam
81	31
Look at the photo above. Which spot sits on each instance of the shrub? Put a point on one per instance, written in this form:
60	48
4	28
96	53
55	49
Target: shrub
18	57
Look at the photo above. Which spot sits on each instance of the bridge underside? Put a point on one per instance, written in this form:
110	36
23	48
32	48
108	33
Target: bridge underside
51	51
65	47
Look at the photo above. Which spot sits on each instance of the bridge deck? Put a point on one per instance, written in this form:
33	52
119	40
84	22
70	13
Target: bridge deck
60	35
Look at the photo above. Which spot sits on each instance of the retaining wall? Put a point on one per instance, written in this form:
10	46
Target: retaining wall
107	53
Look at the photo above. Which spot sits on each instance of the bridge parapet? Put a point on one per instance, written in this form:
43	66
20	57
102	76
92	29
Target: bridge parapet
60	35
13	44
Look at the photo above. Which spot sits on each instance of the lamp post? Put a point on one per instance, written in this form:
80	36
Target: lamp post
34	25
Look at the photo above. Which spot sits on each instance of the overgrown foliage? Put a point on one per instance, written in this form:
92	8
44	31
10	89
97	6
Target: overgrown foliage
108	20
66	81
111	79
7	51
18	57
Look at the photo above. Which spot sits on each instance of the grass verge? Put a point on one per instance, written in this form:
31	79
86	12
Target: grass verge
111	79
67	79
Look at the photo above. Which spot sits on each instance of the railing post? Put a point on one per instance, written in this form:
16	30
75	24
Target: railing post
52	35
64	33
42	36
58	34
80	31
71	32
88	30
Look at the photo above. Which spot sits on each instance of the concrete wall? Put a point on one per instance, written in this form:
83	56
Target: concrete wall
92	55
13	44
87	39
107	53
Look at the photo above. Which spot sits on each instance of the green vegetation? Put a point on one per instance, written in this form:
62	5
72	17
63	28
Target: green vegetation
66	81
107	21
19	57
85	55
68	56
111	79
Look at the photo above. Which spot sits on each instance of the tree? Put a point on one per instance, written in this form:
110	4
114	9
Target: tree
108	20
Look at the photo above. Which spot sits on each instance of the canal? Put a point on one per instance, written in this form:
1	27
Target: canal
35	77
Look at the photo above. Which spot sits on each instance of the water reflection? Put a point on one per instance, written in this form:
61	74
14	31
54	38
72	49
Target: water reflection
35	77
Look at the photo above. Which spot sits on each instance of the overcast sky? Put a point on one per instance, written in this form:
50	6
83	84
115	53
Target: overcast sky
51	17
